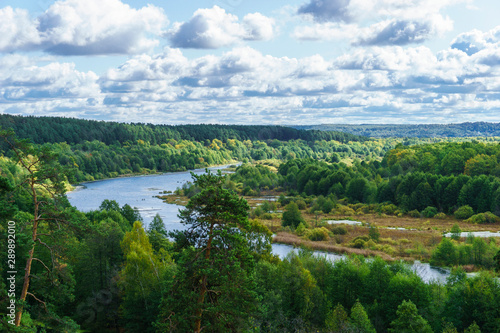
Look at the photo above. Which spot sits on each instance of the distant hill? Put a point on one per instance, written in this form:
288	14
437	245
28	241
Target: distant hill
481	129
73	131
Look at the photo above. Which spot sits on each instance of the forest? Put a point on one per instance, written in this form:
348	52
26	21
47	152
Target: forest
463	130
102	270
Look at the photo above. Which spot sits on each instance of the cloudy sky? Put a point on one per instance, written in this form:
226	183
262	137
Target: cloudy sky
252	62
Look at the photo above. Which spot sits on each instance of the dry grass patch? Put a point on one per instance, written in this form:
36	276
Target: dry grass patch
291	239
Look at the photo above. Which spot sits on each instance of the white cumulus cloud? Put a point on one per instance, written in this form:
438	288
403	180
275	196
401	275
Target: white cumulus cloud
375	22
211	28
73	27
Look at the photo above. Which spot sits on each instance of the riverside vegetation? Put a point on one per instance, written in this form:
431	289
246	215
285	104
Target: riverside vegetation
102	271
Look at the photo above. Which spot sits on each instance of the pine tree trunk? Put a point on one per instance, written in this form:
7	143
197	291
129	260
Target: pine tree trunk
203	291
27	269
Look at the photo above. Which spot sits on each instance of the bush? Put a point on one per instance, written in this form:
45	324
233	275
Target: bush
301	229
359	244
455	232
318	234
301	204
430	212
482	218
440	216
388	249
344	210
414	213
464	212
327	206
389	209
374	233
339	230
267	216
371	245
292	216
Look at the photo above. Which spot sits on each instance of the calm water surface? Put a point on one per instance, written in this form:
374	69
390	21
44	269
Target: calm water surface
140	192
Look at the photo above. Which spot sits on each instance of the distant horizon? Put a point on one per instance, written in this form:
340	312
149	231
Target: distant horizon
299	62
260	124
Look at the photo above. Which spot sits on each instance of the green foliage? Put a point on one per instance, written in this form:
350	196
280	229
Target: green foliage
301	229
141	280
318	234
440	216
339	230
455	232
496	258
429	212
360	320
464	212
483	218
374	233
337	319
473	300
414	213
213	284
409	320
444	254
473	328
292	216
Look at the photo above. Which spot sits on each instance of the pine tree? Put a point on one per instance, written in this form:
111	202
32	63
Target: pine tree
360	319
409	321
213	290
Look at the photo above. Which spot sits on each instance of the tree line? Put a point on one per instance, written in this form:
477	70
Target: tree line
72	131
429	179
463	130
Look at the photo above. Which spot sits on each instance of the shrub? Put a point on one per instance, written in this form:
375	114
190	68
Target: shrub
430	212
482	218
455	232
464	212
371	245
388	249
327	206
414	213
318	234
440	216
358	244
388	209
339	230
301	204
292	216
388	241
344	210
301	229
374	233
364	238
267	216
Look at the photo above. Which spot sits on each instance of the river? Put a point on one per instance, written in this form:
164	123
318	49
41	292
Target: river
140	191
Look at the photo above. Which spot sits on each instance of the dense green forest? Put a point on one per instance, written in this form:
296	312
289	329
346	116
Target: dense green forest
479	129
72	131
433	178
102	271
98	150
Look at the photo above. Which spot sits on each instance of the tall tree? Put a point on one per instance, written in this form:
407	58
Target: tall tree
409	321
213	290
43	181
141	280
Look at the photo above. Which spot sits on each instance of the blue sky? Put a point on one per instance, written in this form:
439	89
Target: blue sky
252	62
